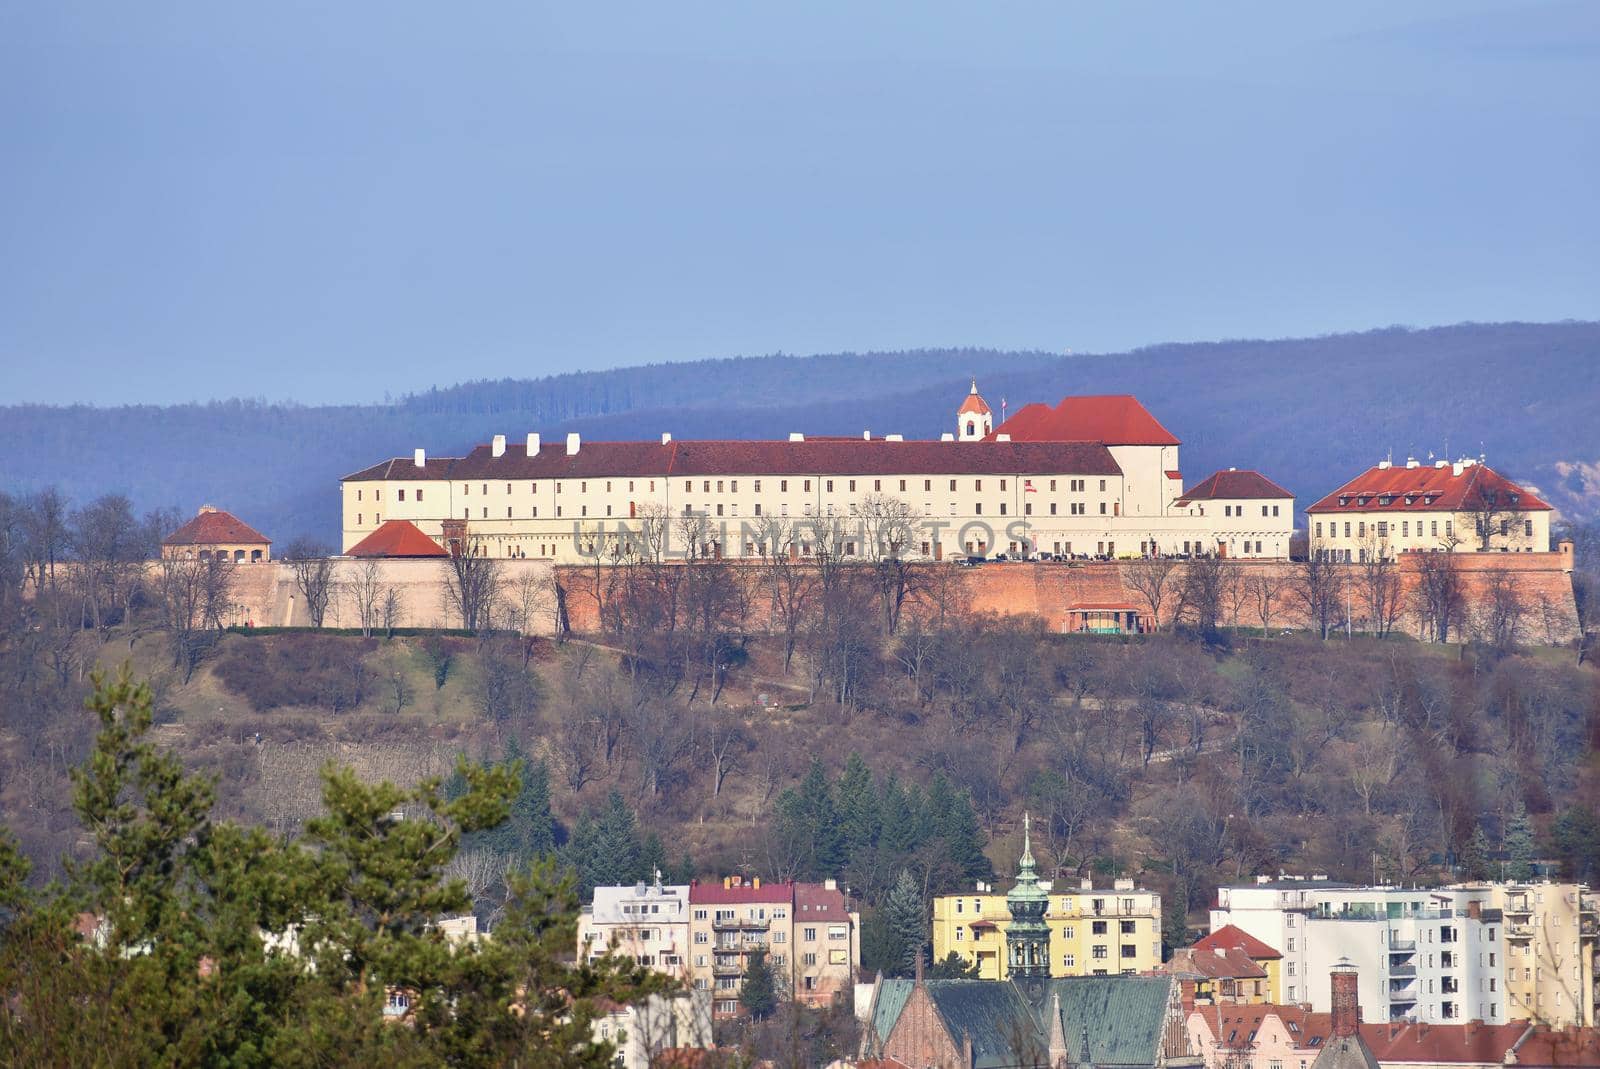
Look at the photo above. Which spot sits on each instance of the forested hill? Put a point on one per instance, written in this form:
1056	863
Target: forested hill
1309	412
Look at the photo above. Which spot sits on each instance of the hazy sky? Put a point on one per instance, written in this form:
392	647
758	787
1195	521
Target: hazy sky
327	201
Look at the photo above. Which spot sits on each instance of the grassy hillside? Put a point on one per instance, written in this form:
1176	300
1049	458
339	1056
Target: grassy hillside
1308	411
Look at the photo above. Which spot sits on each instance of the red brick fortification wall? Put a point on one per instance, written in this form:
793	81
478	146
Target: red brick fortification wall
1051	591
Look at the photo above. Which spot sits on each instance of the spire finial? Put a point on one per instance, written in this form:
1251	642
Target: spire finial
974	384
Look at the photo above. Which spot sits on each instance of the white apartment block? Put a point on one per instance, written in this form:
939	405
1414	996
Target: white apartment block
646	922
1437	956
1089	477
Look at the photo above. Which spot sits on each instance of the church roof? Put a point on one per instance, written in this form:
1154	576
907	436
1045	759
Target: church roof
214	527
973	403
1115	419
1125	1016
397	538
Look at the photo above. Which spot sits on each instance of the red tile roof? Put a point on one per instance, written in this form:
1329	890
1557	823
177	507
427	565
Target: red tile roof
1567	1047
816	901
1428	489
973	403
714	894
214	527
397	538
1215	963
814	457
1115	419
1435	1044
1234	485
1231	935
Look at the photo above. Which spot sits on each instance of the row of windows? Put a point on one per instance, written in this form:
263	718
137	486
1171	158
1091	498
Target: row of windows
1382	528
1238	510
732	486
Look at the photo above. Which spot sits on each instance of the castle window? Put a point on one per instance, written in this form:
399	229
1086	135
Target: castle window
783	486
758	508
1002	484
485	488
733	486
1052	508
358	519
977	510
977	485
1102	486
466	489
1052	486
1002	508
536	512
508	488
952	486
402	493
719	486
358	495
508	512
830	486
807	486
852	486
927	485
688	486
419	493
1027	508
486	512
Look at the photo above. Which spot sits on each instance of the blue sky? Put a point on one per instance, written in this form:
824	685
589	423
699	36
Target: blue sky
333	201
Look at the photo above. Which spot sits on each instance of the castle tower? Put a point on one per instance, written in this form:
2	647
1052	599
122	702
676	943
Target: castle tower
974	421
1027	936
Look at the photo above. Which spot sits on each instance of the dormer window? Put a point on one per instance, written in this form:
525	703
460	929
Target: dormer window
1512	498
1362	500
1344	501
1386	499
1411	499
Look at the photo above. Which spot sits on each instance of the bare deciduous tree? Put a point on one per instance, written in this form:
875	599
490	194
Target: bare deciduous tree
1439	594
193	594
1152	579
1320	586
472	586
312	566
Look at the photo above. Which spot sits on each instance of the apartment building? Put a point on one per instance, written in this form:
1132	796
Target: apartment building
1433	955
1090	477
809	933
1462	506
1550	936
1093	932
647	922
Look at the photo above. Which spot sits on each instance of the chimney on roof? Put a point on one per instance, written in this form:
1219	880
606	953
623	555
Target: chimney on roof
1233	469
1385	465
866	436
756	883
1345	982
1457	468
947	437
830	885
666	437
796	436
203	509
894	437
498	447
1002	437
1441	463
1086	884
1411	462
533	444
420	458
572	444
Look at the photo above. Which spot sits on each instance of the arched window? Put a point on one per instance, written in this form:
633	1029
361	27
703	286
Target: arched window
971	427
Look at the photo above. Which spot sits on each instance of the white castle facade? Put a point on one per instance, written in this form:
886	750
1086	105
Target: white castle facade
1091	477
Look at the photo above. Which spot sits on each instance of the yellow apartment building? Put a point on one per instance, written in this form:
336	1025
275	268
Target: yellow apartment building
1550	931
1093	932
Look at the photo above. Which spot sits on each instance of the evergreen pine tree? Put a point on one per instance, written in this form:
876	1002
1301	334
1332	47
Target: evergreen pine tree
759	995
900	821
615	859
652	858
956	824
1518	843
906	920
953	967
1475	858
857	803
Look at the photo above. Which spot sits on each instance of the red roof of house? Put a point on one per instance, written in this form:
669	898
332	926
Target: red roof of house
817	902
714	894
397	538
1234	485
1571	1046
1428	489
1391	1043
814	457
1401	1042
1216	962
1231	935
212	527
1114	419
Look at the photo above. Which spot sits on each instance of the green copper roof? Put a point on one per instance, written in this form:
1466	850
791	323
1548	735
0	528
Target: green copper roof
1125	1016
1027	888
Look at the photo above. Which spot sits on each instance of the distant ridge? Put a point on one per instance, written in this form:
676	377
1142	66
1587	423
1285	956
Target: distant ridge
1307	412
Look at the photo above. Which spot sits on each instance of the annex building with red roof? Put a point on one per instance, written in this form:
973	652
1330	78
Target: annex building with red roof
215	534
1088	478
1454	506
